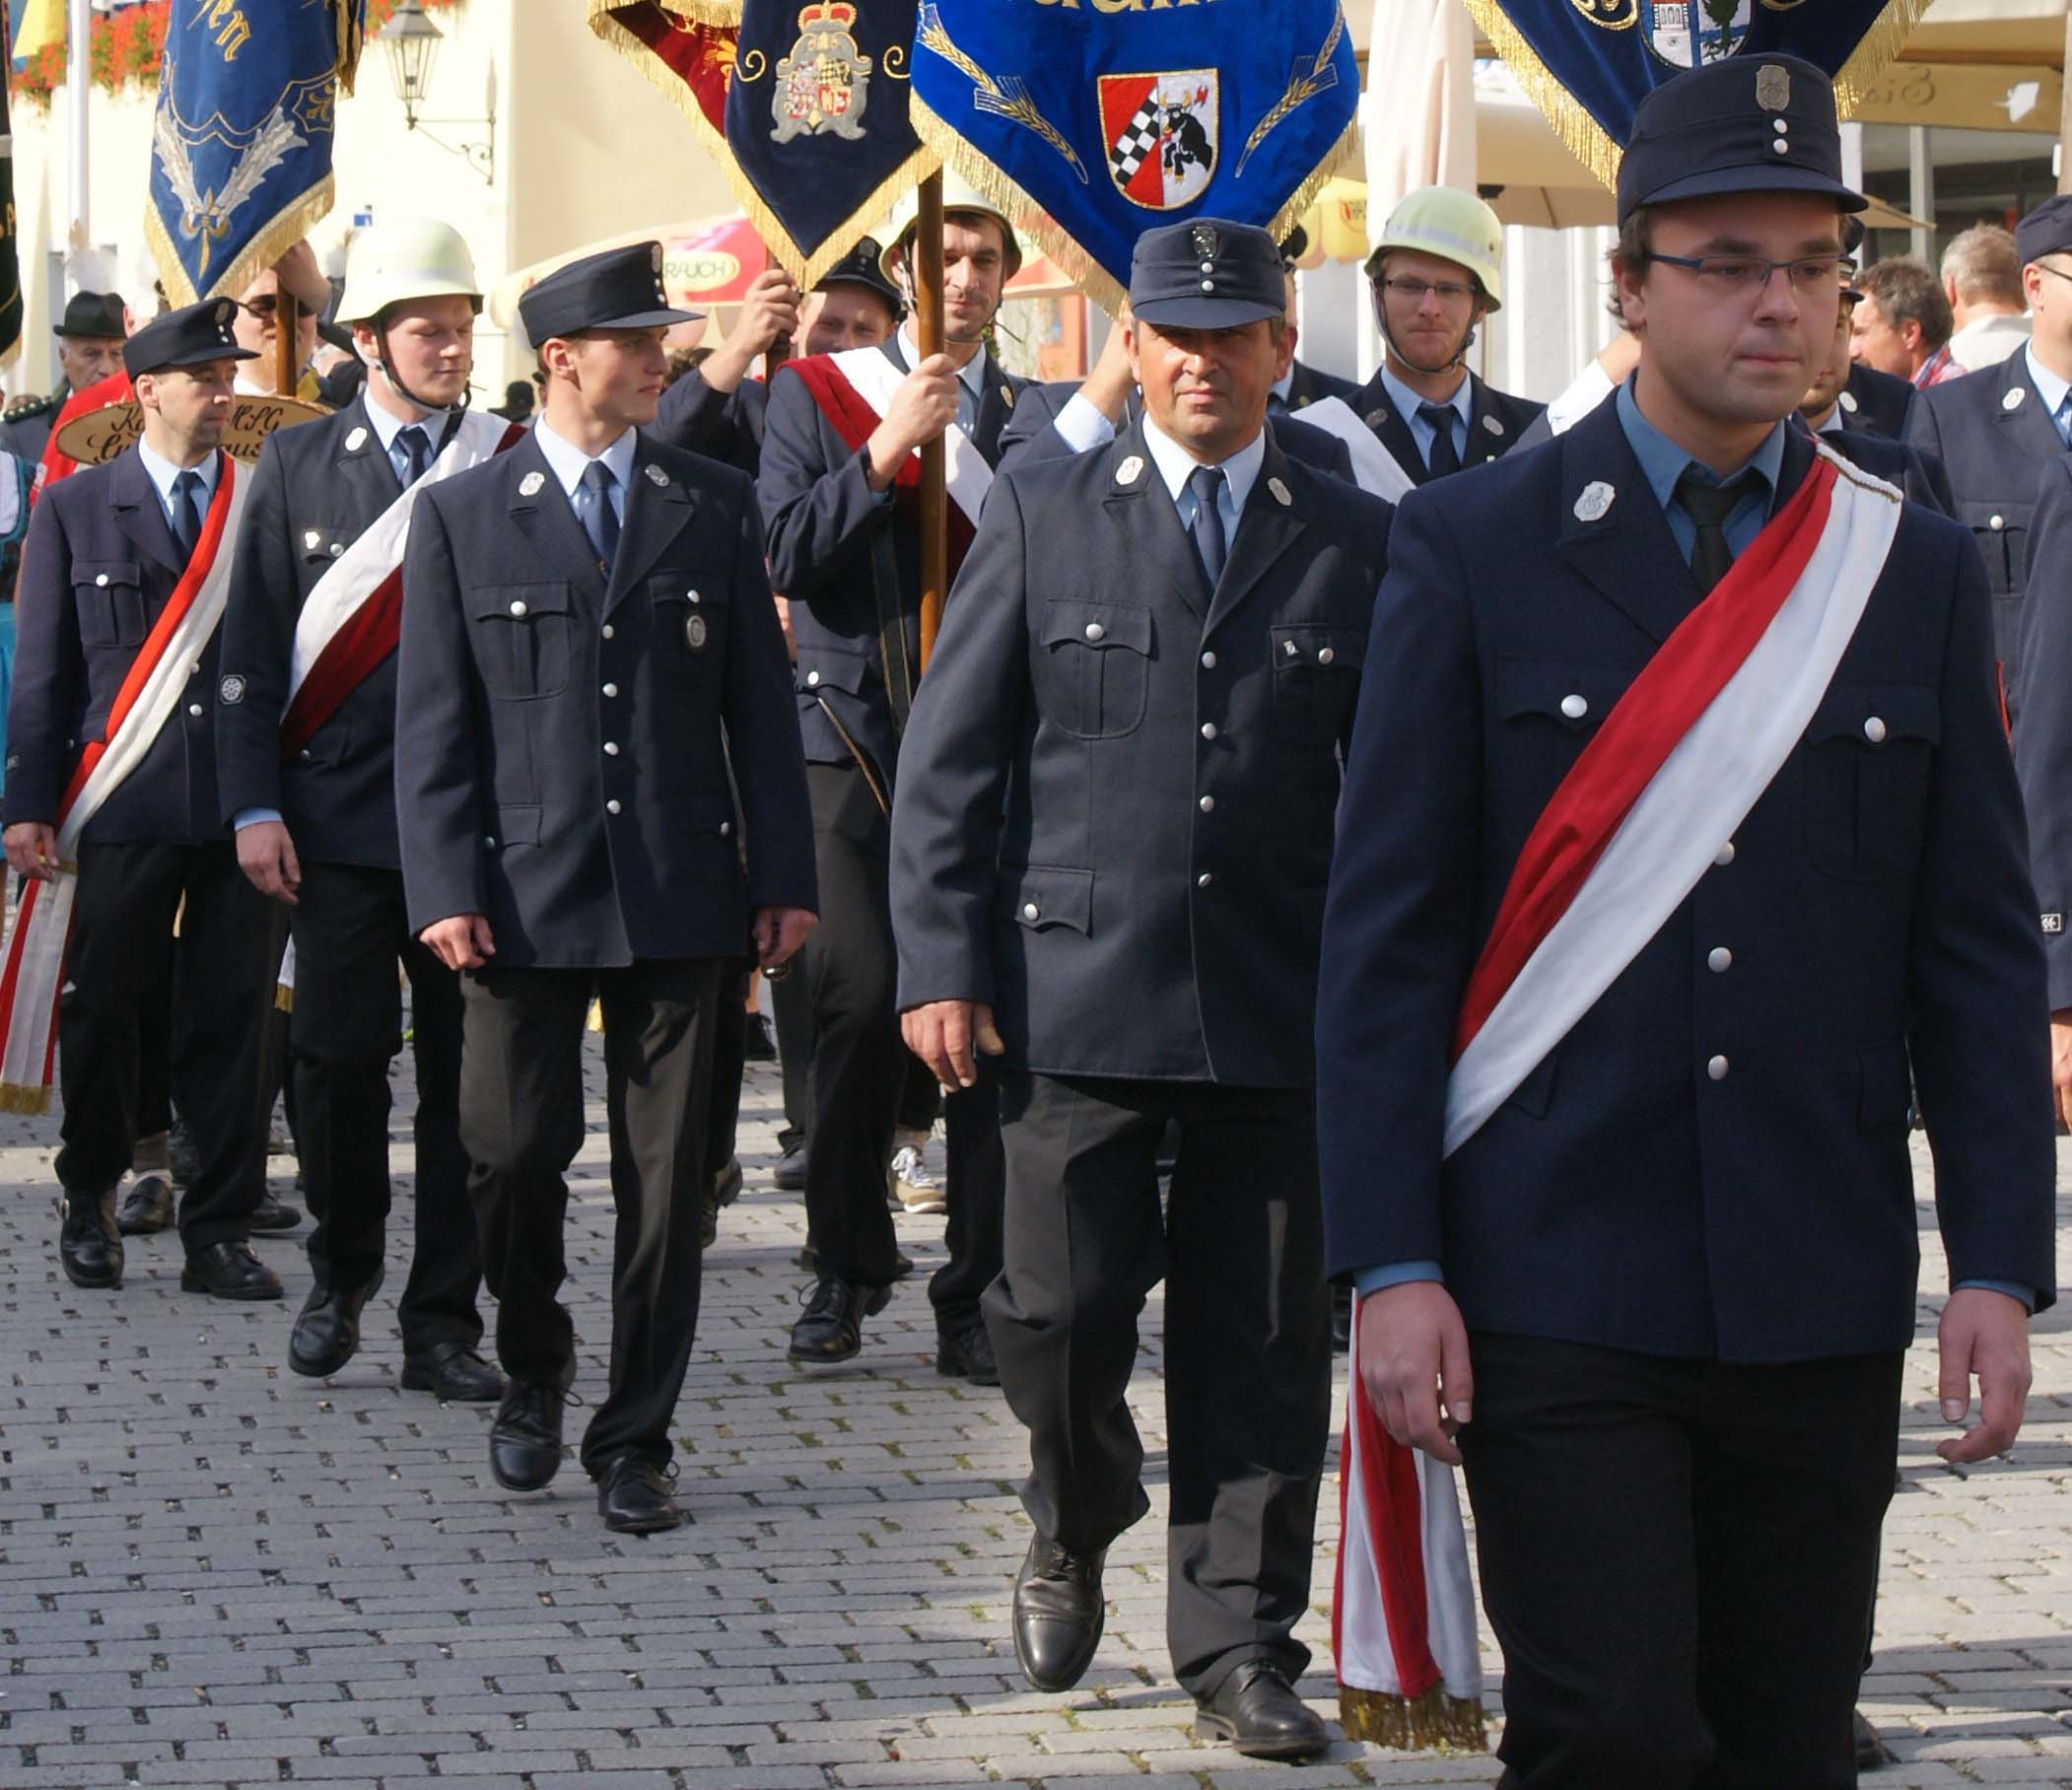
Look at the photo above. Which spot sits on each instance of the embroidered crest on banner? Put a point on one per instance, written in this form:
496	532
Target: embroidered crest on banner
1162	131
824	84
1686	34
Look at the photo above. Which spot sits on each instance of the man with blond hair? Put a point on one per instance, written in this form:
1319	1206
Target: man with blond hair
1983	279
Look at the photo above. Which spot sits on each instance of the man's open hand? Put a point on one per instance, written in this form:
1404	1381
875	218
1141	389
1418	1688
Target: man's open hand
1412	1362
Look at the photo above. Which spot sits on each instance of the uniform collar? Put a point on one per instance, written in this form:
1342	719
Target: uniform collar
1663	462
162	472
1176	465
387	424
2049	387
1408	402
567	462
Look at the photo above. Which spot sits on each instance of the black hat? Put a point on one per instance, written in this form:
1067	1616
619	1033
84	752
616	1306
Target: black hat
1293	246
186	337
1750	123
92	313
860	267
2045	230
619	288
1210	274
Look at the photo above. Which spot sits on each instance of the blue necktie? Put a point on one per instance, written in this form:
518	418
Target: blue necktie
1206	483
418	445
602	522
2063	418
1444	457
187	511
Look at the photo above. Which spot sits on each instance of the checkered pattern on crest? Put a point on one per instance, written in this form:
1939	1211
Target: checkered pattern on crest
1139	138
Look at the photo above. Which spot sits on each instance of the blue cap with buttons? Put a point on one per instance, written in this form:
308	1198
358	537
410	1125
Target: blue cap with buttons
1209	274
186	337
2045	230
1749	124
617	289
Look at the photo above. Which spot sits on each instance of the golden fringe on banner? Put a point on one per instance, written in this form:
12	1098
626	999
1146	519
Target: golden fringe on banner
1414	1724
805	269
352	34
14	1098
257	255
1592	145
1054	238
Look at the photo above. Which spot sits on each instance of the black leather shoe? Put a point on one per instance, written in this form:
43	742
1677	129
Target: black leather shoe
808	1260
146	1205
759	1042
1872	1754
271	1215
1058	1614
524	1442
788	1176
724	1190
1261	1717
455	1371
229	1271
967	1353
89	1246
327	1334
831	1329
634	1497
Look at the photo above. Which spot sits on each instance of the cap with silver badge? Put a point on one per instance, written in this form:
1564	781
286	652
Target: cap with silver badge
191	336
616	289
1208	274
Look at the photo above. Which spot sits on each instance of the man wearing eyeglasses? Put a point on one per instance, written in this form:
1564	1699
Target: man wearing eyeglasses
1998	431
1680	842
1435	278
257	326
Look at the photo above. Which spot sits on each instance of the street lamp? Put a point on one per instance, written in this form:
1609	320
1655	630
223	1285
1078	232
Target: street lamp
412	40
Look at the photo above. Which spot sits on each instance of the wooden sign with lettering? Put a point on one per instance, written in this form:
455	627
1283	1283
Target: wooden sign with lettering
99	436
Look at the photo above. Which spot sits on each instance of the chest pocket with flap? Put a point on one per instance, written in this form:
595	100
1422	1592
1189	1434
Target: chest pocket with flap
522	638
1092	671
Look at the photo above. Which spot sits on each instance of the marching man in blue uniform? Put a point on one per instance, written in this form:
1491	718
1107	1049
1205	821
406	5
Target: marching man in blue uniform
1680	826
305	738
1109	845
111	773
589	650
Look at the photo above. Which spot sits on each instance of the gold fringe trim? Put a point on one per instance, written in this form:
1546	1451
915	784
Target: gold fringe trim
284	998
286	229
1593	146
1431	1723
1585	139
15	1098
352	36
994	184
805	269
594	1020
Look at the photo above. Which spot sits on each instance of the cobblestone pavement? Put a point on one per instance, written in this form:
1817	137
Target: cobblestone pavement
215	1573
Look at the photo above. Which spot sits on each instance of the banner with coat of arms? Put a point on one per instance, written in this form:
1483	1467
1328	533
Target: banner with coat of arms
241	144
1587	64
810	127
1095	124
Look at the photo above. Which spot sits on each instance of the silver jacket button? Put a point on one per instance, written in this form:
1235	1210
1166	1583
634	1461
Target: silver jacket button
1094	631
1205	879
1030	910
611	689
611	748
1717	1068
611	807
1326	656
813	680
517	607
1209	662
489	841
1575	707
194	707
1996	523
727	829
1208	730
1874	731
1724	855
608	629
1719	960
102	580
1209	805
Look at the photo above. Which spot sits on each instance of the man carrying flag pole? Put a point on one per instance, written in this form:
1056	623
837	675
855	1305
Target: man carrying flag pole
1719	834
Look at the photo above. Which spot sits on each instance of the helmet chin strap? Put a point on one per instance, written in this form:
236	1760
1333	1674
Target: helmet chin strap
396	380
1458	358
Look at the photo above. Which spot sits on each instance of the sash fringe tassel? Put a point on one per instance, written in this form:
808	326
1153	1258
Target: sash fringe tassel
1433	1722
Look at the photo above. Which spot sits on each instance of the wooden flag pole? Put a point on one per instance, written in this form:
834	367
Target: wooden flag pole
287	322
934	491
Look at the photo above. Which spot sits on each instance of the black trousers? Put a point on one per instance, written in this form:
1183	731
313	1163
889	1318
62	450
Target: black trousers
861	1068
350	932
521	1124
124	971
1240	1247
792	1014
729	1061
1678	1557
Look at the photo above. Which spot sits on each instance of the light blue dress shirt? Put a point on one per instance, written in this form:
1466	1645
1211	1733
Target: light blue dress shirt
568	464
1421	431
2050	388
1176	466
162	472
388	430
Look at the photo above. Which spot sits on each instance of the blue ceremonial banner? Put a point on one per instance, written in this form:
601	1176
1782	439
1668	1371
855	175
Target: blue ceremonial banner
1587	64
241	146
1091	125
817	123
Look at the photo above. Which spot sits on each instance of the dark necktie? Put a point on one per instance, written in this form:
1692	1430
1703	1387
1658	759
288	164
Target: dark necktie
1206	483
1444	457
187	511
418	447
1708	505
604	520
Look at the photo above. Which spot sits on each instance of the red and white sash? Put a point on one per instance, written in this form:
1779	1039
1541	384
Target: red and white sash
1374	468
873	376
34	974
352	617
1675	769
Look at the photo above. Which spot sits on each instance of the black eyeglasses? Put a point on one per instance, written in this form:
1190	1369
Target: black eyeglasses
2059	271
1412	292
264	306
1811	274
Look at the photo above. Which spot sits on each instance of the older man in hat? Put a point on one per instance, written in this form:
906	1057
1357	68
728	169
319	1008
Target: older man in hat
90	338
589	657
1679	844
1109	842
112	769
1998	431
